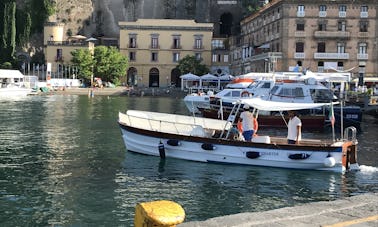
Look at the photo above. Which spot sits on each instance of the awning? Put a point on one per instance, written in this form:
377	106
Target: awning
264	46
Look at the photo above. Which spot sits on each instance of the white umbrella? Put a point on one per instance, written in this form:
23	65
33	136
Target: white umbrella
208	77
188	77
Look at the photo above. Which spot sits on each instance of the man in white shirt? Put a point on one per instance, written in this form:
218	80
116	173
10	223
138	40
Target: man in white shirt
246	118
294	126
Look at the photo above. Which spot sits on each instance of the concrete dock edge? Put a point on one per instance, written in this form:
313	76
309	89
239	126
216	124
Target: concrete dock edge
359	210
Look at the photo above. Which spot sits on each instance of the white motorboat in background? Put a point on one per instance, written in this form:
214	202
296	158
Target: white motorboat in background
12	84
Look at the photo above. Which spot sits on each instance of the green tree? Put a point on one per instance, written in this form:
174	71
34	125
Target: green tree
39	12
23	26
189	64
7	30
83	60
110	64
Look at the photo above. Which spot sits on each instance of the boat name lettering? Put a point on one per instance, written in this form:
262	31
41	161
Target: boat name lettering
271	153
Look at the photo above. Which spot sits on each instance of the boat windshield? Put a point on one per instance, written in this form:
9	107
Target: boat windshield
322	95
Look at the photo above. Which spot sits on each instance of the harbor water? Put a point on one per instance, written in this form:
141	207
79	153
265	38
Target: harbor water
63	163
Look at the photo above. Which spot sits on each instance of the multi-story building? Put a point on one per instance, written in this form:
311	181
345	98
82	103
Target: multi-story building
154	47
57	49
320	36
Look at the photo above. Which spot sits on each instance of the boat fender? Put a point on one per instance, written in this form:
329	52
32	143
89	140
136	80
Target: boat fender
299	156
329	161
173	142
161	150
252	154
208	146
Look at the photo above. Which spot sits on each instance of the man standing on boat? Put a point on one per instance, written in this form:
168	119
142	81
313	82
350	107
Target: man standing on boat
294	126
246	118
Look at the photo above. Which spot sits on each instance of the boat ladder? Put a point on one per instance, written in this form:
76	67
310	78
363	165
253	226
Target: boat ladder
231	118
350	133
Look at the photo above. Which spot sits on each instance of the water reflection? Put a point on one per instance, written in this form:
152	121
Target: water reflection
63	163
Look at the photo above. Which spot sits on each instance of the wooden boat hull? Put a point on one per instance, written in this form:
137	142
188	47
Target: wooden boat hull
274	152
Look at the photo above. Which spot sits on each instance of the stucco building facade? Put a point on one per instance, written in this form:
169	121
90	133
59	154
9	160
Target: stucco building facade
321	36
154	47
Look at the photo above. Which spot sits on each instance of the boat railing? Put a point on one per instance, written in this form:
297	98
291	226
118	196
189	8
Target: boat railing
350	134
169	126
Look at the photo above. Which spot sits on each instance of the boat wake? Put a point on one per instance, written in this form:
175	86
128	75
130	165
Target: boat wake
368	169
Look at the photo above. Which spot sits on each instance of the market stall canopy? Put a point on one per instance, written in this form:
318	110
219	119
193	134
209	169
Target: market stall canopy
8	73
209	77
189	76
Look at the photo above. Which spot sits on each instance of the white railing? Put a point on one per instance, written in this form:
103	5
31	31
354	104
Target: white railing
322	13
300	13
331	55
299	55
364	14
362	56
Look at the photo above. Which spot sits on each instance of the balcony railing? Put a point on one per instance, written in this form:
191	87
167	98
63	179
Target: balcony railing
322	13
332	34
363	34
362	56
176	47
67	43
364	14
59	58
299	55
300	34
331	55
133	46
300	13
198	47
154	47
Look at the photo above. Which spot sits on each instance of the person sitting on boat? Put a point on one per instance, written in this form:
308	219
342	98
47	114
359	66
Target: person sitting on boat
246	119
294	126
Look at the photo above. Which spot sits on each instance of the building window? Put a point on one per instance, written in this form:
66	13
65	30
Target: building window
321	47
341	26
364	26
154	56
225	58
322	26
299	47
364	8
362	48
176	57
132	56
154	42
342	10
300	26
214	58
340	47
322	8
198	42
59	55
301	11
198	56
176	42
132	42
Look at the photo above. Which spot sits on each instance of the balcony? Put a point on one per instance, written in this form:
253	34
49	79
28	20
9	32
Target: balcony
301	13
154	47
362	56
133	46
300	34
342	14
299	55
337	56
59	58
332	34
364	14
363	34
322	13
176	47
198	47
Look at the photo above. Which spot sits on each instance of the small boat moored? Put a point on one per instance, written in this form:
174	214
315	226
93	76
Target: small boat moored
211	140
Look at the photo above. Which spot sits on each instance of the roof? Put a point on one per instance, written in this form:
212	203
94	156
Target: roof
280	106
9	73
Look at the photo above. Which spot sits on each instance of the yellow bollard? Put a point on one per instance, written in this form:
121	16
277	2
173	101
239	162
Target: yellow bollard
161	213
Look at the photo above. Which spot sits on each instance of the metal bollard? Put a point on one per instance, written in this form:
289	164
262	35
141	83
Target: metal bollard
161	213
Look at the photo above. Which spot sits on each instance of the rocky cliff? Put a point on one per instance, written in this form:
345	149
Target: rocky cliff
100	17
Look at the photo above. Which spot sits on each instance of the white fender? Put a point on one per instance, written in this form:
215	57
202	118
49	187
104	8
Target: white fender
329	161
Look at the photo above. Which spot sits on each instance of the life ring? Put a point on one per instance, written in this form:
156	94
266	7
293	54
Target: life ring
245	94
